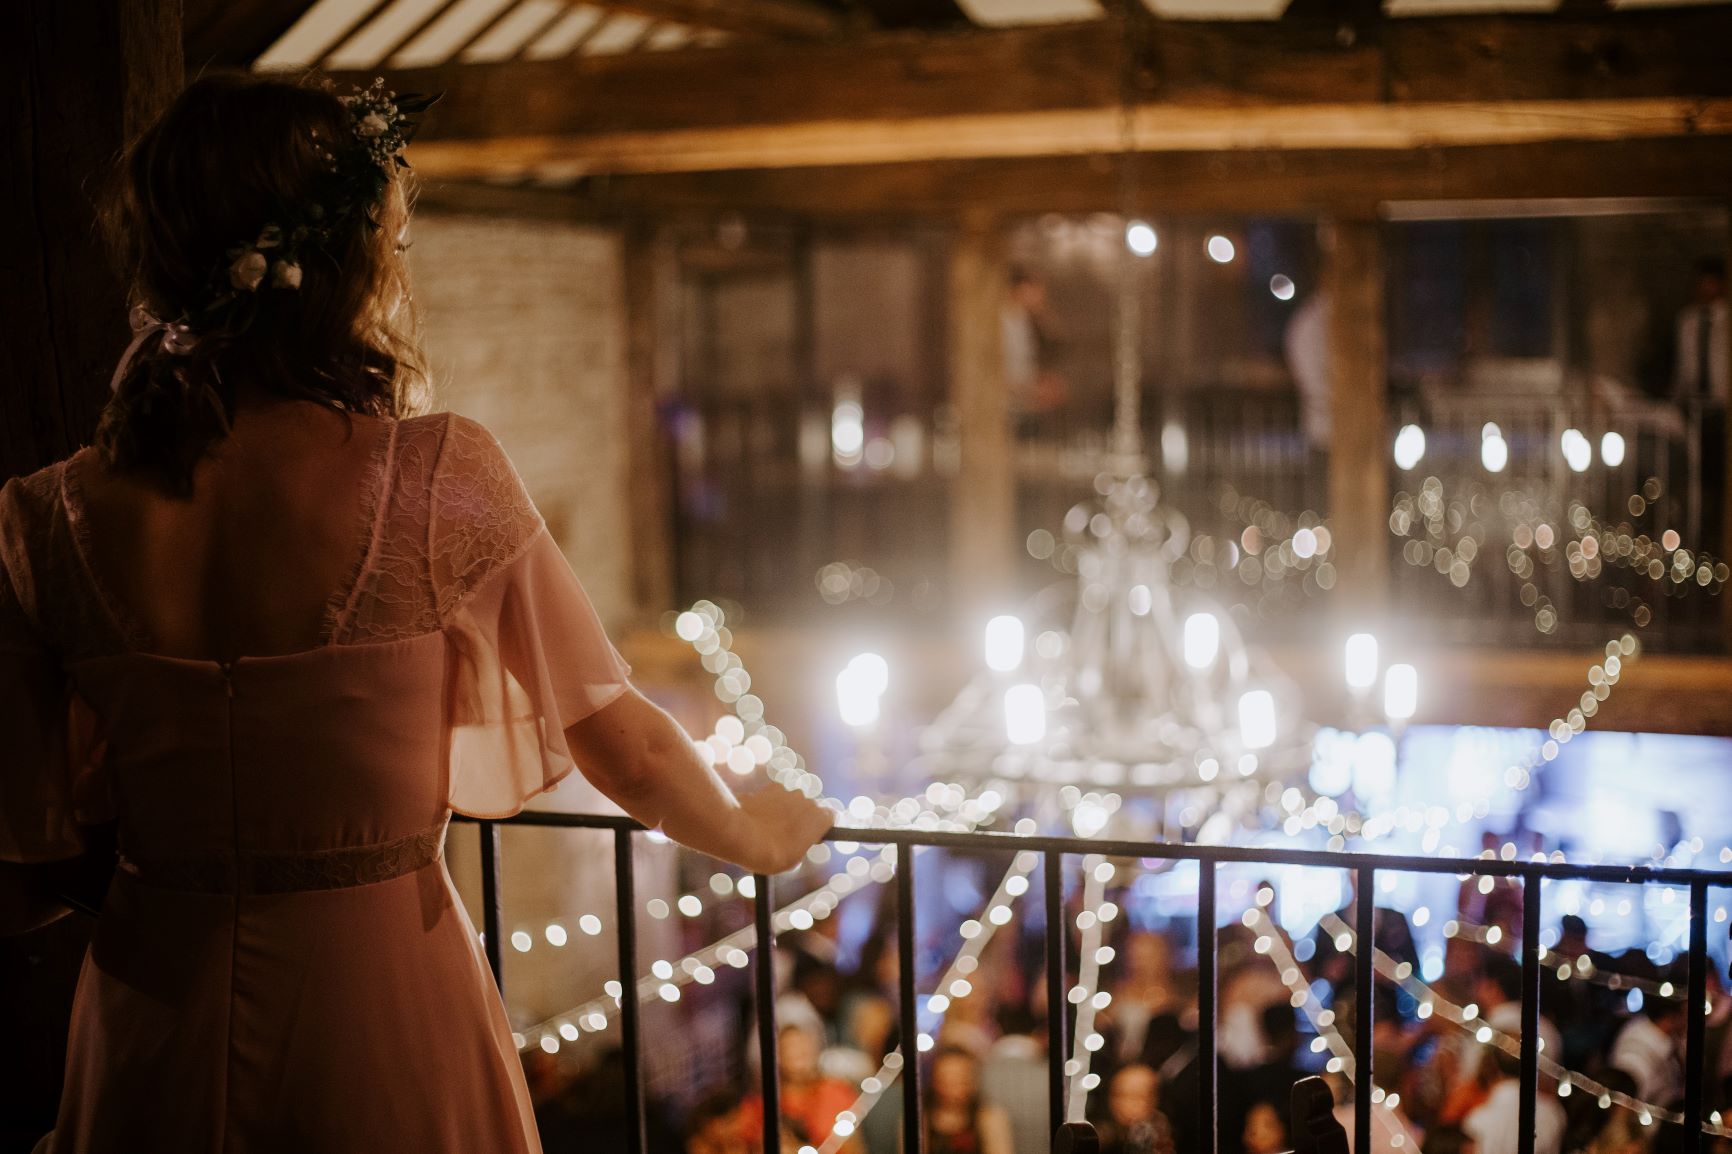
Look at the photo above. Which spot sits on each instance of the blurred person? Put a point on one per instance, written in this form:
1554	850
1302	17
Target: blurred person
968	1025
1648	1049
1699	383
1269	1081
1134	1123
1586	1119
1013	1078
957	1121
716	1126
1035	390
1306	345
294	580
809	1099
1143	991
1265	1130
1700	365
1391	934
1495	1123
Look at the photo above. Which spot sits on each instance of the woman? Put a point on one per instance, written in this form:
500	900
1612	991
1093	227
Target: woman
275	628
956	1120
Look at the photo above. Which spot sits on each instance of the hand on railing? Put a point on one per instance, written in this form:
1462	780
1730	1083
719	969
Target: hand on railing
776	828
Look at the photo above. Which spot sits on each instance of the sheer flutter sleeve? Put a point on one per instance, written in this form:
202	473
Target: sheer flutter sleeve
51	778
529	655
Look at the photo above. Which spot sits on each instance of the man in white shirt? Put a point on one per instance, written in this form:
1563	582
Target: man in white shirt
1495	1125
1647	1050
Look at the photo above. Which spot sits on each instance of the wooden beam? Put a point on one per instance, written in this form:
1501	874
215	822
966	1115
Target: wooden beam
84	80
1044	91
1359	441
1295	183
1083	132
983	500
789	19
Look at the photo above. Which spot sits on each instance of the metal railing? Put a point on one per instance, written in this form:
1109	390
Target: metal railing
1053	851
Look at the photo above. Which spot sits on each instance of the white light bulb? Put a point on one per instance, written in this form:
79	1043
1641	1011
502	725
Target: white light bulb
1004	640
1361	661
1612	449
1202	640
1281	287
1140	238
1494	453
1220	249
858	688
1409	446
1024	714
1257	719
1401	692
1578	453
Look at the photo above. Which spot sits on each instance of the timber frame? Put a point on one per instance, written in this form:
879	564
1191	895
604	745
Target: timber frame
1308	85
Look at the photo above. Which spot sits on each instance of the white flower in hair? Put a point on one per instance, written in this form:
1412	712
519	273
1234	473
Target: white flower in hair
372	125
270	237
285	274
248	270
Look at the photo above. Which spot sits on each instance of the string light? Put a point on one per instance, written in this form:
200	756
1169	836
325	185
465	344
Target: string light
1467	1017
953	986
700	965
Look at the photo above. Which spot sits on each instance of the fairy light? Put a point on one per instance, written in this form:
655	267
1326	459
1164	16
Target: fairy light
1097	871
700	966
1272	945
1570	967
1467	1018
953	985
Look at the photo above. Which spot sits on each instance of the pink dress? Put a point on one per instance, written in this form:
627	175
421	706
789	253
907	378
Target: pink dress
281	963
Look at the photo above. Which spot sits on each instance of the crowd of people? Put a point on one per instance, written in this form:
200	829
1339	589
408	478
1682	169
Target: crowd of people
984	1077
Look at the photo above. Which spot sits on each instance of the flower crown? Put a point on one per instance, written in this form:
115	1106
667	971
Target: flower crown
359	170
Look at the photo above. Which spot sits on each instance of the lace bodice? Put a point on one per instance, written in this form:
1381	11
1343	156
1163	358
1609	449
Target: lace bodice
444	507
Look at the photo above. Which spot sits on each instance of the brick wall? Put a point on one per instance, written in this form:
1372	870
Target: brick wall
525	334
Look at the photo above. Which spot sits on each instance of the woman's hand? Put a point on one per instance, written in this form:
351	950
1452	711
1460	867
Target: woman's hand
777	827
640	758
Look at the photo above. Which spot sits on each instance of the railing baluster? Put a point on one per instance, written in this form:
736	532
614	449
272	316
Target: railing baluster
1365	929
1057	1045
1528	1107
766	980
1696	1024
625	913
912	1134
489	832
1208	961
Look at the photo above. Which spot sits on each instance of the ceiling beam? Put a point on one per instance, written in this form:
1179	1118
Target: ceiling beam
1048	91
1302	182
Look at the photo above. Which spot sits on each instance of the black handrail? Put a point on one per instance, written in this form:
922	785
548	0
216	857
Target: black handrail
1365	866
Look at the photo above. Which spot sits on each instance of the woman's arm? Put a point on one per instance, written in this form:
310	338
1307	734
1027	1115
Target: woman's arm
645	763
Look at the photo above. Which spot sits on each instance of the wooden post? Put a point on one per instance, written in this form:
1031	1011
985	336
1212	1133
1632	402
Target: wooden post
649	492
1359	452
983	494
81	80
1725	546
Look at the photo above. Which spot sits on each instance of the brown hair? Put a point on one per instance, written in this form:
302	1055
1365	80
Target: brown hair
232	154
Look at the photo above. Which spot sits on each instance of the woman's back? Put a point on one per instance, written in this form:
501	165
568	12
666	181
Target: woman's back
250	563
